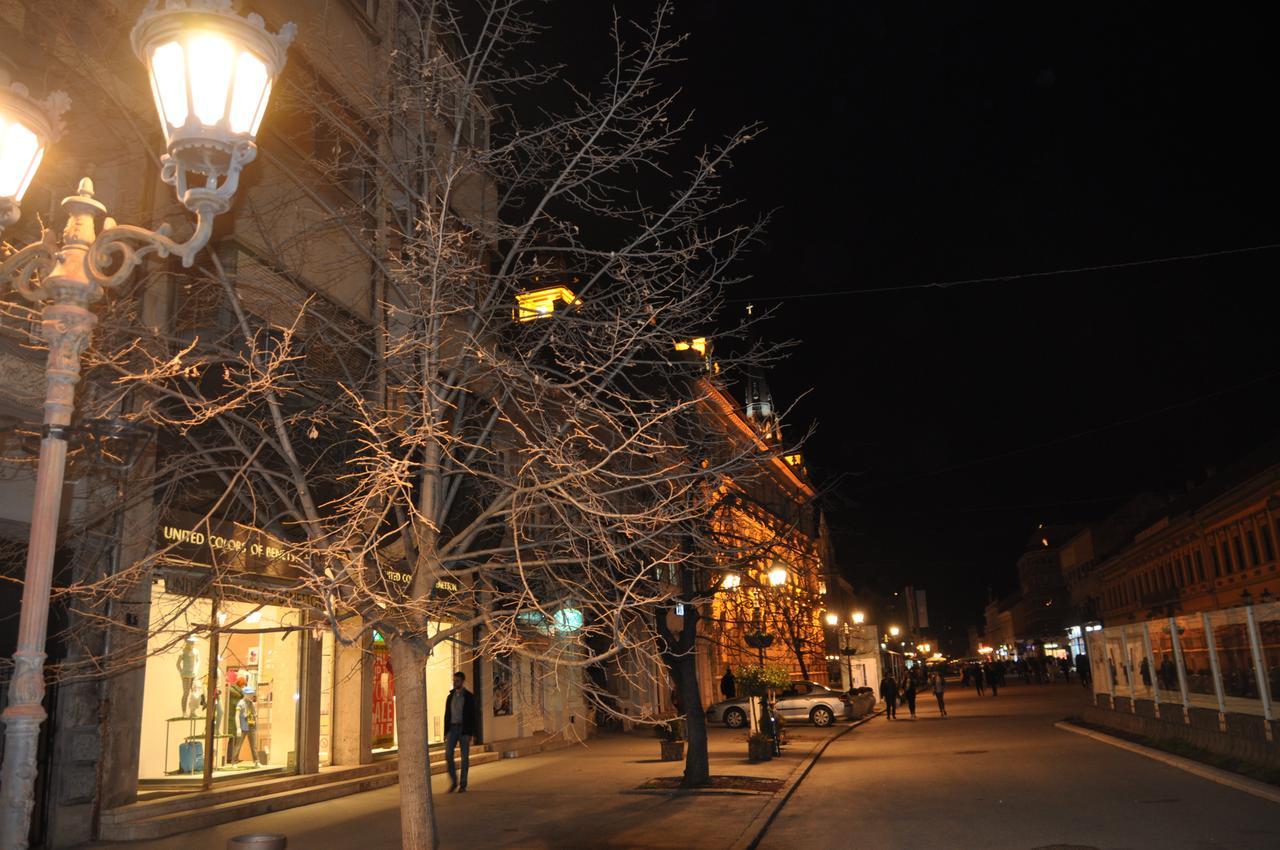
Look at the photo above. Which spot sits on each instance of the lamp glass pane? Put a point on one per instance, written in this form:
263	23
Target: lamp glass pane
262	109
248	94
31	173
169	79
210	59
19	150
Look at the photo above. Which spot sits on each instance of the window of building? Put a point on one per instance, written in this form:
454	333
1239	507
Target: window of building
1217	563
1227	566
1268	547
1253	547
1239	550
256	703
1199	566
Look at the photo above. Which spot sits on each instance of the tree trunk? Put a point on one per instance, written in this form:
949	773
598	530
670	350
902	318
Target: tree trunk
681	657
804	668
417	812
697	761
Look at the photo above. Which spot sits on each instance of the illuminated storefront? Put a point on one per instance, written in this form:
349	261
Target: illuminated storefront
255	704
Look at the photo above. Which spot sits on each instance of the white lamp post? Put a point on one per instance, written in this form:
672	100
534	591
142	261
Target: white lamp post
211	73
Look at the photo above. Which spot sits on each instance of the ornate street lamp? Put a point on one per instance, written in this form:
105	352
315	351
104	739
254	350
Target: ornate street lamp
27	127
211	73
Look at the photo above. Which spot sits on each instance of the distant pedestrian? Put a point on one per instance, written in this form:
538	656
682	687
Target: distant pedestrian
1082	669
993	678
889	693
460	723
909	693
976	675
939	686
729	685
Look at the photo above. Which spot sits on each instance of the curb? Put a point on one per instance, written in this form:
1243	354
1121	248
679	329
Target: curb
1204	771
759	825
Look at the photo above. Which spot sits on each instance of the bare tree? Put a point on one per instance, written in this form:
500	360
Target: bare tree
514	456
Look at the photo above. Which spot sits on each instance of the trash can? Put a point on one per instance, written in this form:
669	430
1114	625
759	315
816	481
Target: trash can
258	841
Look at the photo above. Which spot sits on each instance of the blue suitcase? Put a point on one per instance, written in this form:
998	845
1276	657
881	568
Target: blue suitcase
191	757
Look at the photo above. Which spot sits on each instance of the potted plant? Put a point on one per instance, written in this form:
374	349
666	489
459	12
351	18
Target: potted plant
671	736
759	747
758	681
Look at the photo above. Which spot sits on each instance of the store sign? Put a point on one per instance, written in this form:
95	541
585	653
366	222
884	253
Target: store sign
192	540
444	588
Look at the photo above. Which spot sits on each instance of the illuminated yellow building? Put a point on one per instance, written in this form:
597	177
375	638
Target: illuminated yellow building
538	303
770	601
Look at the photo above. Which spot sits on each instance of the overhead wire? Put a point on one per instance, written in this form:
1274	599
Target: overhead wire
947	284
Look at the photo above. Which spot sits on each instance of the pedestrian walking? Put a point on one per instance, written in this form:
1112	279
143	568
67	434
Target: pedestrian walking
1082	669
889	693
729	685
976	675
939	686
460	723
909	693
992	675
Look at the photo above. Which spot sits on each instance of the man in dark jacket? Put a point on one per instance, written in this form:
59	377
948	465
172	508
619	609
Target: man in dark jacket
889	693
729	685
460	728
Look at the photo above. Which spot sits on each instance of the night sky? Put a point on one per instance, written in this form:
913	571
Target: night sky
914	143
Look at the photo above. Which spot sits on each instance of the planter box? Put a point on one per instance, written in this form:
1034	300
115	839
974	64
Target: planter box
759	750
672	750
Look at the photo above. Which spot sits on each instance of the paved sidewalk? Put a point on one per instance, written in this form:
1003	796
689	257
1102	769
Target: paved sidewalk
573	798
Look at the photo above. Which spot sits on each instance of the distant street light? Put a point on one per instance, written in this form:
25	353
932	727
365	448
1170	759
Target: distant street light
832	619
778	576
858	617
894	631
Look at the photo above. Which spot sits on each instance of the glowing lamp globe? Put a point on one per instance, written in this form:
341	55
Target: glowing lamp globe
777	576
858	617
211	72
832	619
27	127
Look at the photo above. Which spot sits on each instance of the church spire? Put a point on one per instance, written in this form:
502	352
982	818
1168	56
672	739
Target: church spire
761	411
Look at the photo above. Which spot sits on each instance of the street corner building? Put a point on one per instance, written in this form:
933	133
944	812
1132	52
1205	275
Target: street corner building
223	691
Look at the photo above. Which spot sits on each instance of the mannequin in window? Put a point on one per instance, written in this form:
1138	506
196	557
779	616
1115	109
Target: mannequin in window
188	669
235	695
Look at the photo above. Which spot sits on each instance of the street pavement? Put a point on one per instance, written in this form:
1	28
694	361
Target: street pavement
996	774
581	797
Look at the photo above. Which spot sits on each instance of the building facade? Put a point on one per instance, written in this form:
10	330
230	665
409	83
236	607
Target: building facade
293	712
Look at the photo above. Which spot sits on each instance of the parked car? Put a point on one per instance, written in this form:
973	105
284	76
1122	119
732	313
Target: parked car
800	701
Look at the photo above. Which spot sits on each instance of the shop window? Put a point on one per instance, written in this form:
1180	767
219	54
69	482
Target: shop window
255	706
1195	661
1267	618
1235	660
384	697
1166	672
502	687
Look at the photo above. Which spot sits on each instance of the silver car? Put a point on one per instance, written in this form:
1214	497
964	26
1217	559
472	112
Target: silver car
799	701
